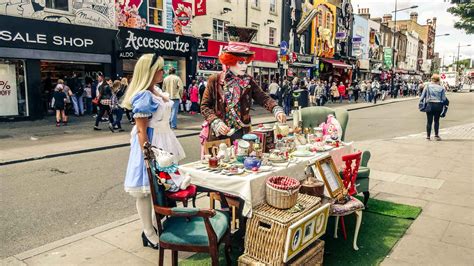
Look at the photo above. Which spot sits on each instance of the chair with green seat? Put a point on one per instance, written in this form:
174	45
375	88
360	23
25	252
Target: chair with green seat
186	229
314	116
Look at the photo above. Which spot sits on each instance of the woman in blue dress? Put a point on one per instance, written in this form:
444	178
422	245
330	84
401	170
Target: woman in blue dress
142	99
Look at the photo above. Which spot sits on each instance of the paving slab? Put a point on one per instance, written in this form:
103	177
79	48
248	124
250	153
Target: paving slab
450	212
415	170
428	227
448	197
420	181
74	253
383	175
12	261
399	189
400	199
459	234
118	257
424	251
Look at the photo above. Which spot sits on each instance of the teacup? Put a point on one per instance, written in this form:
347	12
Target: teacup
301	148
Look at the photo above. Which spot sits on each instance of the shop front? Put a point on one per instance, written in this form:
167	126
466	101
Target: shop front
34	54
179	52
301	66
264	67
332	70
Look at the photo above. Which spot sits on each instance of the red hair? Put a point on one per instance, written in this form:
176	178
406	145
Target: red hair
229	59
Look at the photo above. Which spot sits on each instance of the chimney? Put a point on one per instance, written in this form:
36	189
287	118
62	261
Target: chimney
364	12
414	16
387	18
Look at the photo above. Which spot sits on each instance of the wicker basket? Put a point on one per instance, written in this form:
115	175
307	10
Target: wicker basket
282	192
312	255
268	228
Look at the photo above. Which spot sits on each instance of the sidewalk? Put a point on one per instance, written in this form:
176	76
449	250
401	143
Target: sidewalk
411	170
31	140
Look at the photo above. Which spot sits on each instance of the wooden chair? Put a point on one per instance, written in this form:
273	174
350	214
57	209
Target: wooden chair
233	203
352	163
186	229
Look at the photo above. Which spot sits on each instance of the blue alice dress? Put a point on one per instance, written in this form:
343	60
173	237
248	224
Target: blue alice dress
136	178
160	135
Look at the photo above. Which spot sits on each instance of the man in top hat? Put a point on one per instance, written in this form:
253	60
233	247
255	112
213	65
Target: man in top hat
228	96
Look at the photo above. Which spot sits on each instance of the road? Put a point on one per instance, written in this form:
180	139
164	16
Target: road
47	200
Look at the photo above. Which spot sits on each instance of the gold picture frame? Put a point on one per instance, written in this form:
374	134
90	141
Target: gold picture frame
330	175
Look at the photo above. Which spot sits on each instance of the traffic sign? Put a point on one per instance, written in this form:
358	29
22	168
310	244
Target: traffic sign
443	76
283	48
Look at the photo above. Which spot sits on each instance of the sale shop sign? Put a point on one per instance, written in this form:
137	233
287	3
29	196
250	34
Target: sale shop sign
8	90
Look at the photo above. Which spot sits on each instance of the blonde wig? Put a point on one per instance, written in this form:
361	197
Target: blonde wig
116	86
143	75
124	81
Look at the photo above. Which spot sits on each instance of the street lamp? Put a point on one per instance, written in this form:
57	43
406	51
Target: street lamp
394	31
457	61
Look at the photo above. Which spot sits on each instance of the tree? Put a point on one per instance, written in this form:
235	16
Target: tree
465	11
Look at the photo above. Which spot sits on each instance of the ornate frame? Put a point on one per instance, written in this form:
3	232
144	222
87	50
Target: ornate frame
319	164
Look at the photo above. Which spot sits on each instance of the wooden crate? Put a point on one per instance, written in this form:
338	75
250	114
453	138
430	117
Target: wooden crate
311	256
268	236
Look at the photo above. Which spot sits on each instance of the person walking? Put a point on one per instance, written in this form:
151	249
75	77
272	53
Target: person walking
117	110
67	106
88	95
350	93
194	97
95	92
311	91
105	102
173	85
202	88
334	92
59	103
434	96
319	94
285	96
375	90
342	91
77	94
363	90
123	88
273	89
356	91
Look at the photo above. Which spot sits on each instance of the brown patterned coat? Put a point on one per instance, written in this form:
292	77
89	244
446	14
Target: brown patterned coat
213	103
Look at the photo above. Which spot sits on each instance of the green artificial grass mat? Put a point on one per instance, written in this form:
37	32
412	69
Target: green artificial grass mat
383	224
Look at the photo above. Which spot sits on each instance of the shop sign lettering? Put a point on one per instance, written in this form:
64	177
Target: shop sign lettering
139	42
57	40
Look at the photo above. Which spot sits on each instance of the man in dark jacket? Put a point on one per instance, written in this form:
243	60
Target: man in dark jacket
77	92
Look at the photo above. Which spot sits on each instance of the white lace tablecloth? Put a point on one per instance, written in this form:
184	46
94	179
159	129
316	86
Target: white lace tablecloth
251	187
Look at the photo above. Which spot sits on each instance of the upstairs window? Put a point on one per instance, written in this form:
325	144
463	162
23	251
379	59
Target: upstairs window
61	5
219	32
271	36
155	13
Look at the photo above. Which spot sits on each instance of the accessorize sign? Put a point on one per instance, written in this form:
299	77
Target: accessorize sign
8	90
44	35
149	41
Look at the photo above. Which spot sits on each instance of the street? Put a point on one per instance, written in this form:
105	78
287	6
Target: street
49	199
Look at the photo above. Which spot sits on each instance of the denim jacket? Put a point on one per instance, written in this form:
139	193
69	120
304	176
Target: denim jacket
434	93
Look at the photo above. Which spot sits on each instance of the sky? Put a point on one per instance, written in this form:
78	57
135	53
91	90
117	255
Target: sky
447	46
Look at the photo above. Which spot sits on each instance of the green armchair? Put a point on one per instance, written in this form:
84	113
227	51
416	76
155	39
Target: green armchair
186	229
314	116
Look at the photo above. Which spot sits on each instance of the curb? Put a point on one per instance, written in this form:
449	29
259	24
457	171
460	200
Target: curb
121	145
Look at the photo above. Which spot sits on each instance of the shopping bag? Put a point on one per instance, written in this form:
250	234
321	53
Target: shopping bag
188	105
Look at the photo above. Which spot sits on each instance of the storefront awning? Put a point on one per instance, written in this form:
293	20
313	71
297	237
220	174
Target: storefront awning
337	63
297	64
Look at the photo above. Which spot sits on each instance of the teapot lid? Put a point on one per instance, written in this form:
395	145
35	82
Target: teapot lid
250	137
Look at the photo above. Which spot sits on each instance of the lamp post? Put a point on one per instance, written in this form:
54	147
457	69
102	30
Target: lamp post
457	61
394	31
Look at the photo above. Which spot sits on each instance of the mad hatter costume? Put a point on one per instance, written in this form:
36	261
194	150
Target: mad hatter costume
228	97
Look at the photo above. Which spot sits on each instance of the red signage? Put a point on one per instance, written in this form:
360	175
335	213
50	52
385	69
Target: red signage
200	9
261	54
182	11
443	76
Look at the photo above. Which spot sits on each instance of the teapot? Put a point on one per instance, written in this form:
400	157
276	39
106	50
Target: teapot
252	162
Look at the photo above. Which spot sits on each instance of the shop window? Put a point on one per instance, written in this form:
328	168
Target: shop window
58	5
13	94
219	32
271	37
256	3
255	26
273	6
155	13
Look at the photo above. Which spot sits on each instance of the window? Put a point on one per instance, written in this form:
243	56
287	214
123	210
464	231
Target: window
61	5
273	8
271	36
155	12
255	26
256	3
219	32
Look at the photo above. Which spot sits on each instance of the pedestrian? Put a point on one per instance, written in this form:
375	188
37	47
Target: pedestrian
123	88
350	93
173	85
59	103
117	110
202	88
285	96
342	91
363	90
311	91
77	94
273	89
194	97
356	91
68	105
375	90
434	96
105	101
334	92
95	92
88	95
151	109
319	93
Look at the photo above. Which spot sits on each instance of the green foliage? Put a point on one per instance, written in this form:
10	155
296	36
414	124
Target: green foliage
465	12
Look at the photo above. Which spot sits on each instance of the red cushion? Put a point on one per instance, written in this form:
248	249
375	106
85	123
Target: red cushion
183	194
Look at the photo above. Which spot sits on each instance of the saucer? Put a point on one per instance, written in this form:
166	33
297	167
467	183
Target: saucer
302	153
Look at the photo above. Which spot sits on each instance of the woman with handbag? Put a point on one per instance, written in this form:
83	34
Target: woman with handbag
432	102
105	103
